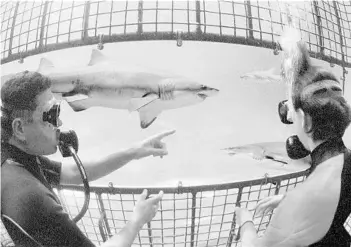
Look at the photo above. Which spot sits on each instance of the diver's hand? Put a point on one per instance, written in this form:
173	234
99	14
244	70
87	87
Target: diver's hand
243	216
153	146
145	209
268	204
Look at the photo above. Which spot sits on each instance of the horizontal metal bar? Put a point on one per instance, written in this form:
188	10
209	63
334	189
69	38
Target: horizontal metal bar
193	36
185	189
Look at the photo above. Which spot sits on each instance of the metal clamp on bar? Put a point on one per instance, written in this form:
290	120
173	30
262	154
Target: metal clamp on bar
266	177
276	47
21	59
110	187
100	45
179	38
180	186
332	65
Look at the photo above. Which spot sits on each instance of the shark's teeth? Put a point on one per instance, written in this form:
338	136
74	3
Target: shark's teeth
166	90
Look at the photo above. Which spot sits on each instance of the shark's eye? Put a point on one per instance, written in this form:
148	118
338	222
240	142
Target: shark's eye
203	87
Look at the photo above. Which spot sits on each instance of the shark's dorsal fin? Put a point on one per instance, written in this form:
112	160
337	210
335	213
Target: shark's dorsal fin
148	115
137	103
96	57
45	65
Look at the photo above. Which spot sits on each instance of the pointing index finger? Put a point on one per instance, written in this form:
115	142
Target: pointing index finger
164	134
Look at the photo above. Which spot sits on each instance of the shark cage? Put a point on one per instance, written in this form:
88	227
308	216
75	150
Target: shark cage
194	215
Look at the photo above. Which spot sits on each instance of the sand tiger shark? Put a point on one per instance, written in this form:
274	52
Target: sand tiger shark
103	82
266	75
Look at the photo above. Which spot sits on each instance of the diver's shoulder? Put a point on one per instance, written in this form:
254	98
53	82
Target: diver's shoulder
13	172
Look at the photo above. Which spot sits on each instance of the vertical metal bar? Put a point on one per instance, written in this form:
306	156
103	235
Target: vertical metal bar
37	28
259	21
220	18
188	16
140	17
199	222
193	212
220	228
70	22
47	27
205	24
156	16
103	214
277	188
20	33
212	207
249	19
30	21
174	207
341	42
161	212
13	27
111	10
43	20
101	228
125	18
276	192
319	25
149	232
172	16
86	20
234	18
97	18
58	23
198	17
232	228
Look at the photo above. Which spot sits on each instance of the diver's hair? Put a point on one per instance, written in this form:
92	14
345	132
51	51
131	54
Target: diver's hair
330	112
19	99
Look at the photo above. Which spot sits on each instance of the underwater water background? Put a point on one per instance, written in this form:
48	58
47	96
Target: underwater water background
243	112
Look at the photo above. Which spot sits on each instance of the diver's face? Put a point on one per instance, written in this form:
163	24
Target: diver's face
41	136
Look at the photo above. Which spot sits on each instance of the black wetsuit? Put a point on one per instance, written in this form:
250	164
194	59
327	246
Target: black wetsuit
337	236
27	198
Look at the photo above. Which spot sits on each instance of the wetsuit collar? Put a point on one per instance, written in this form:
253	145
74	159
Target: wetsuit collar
18	155
326	150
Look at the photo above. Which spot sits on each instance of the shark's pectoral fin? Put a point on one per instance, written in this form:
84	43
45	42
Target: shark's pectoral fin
137	103
148	115
77	106
74	97
77	101
45	65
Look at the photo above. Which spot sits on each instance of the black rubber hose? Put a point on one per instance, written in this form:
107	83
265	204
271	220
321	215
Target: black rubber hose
85	183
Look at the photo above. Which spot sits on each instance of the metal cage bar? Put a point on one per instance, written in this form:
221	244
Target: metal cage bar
195	29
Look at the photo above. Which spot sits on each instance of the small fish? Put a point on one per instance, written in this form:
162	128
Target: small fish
267	75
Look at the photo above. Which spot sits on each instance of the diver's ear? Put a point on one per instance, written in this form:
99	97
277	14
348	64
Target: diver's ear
18	129
306	121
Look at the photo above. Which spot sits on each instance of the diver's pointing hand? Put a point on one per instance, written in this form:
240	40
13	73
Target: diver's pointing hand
153	146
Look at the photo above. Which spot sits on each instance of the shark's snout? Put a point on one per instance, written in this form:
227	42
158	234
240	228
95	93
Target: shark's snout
207	92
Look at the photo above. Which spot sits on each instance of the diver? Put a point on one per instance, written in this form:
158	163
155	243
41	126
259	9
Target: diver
313	213
29	131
